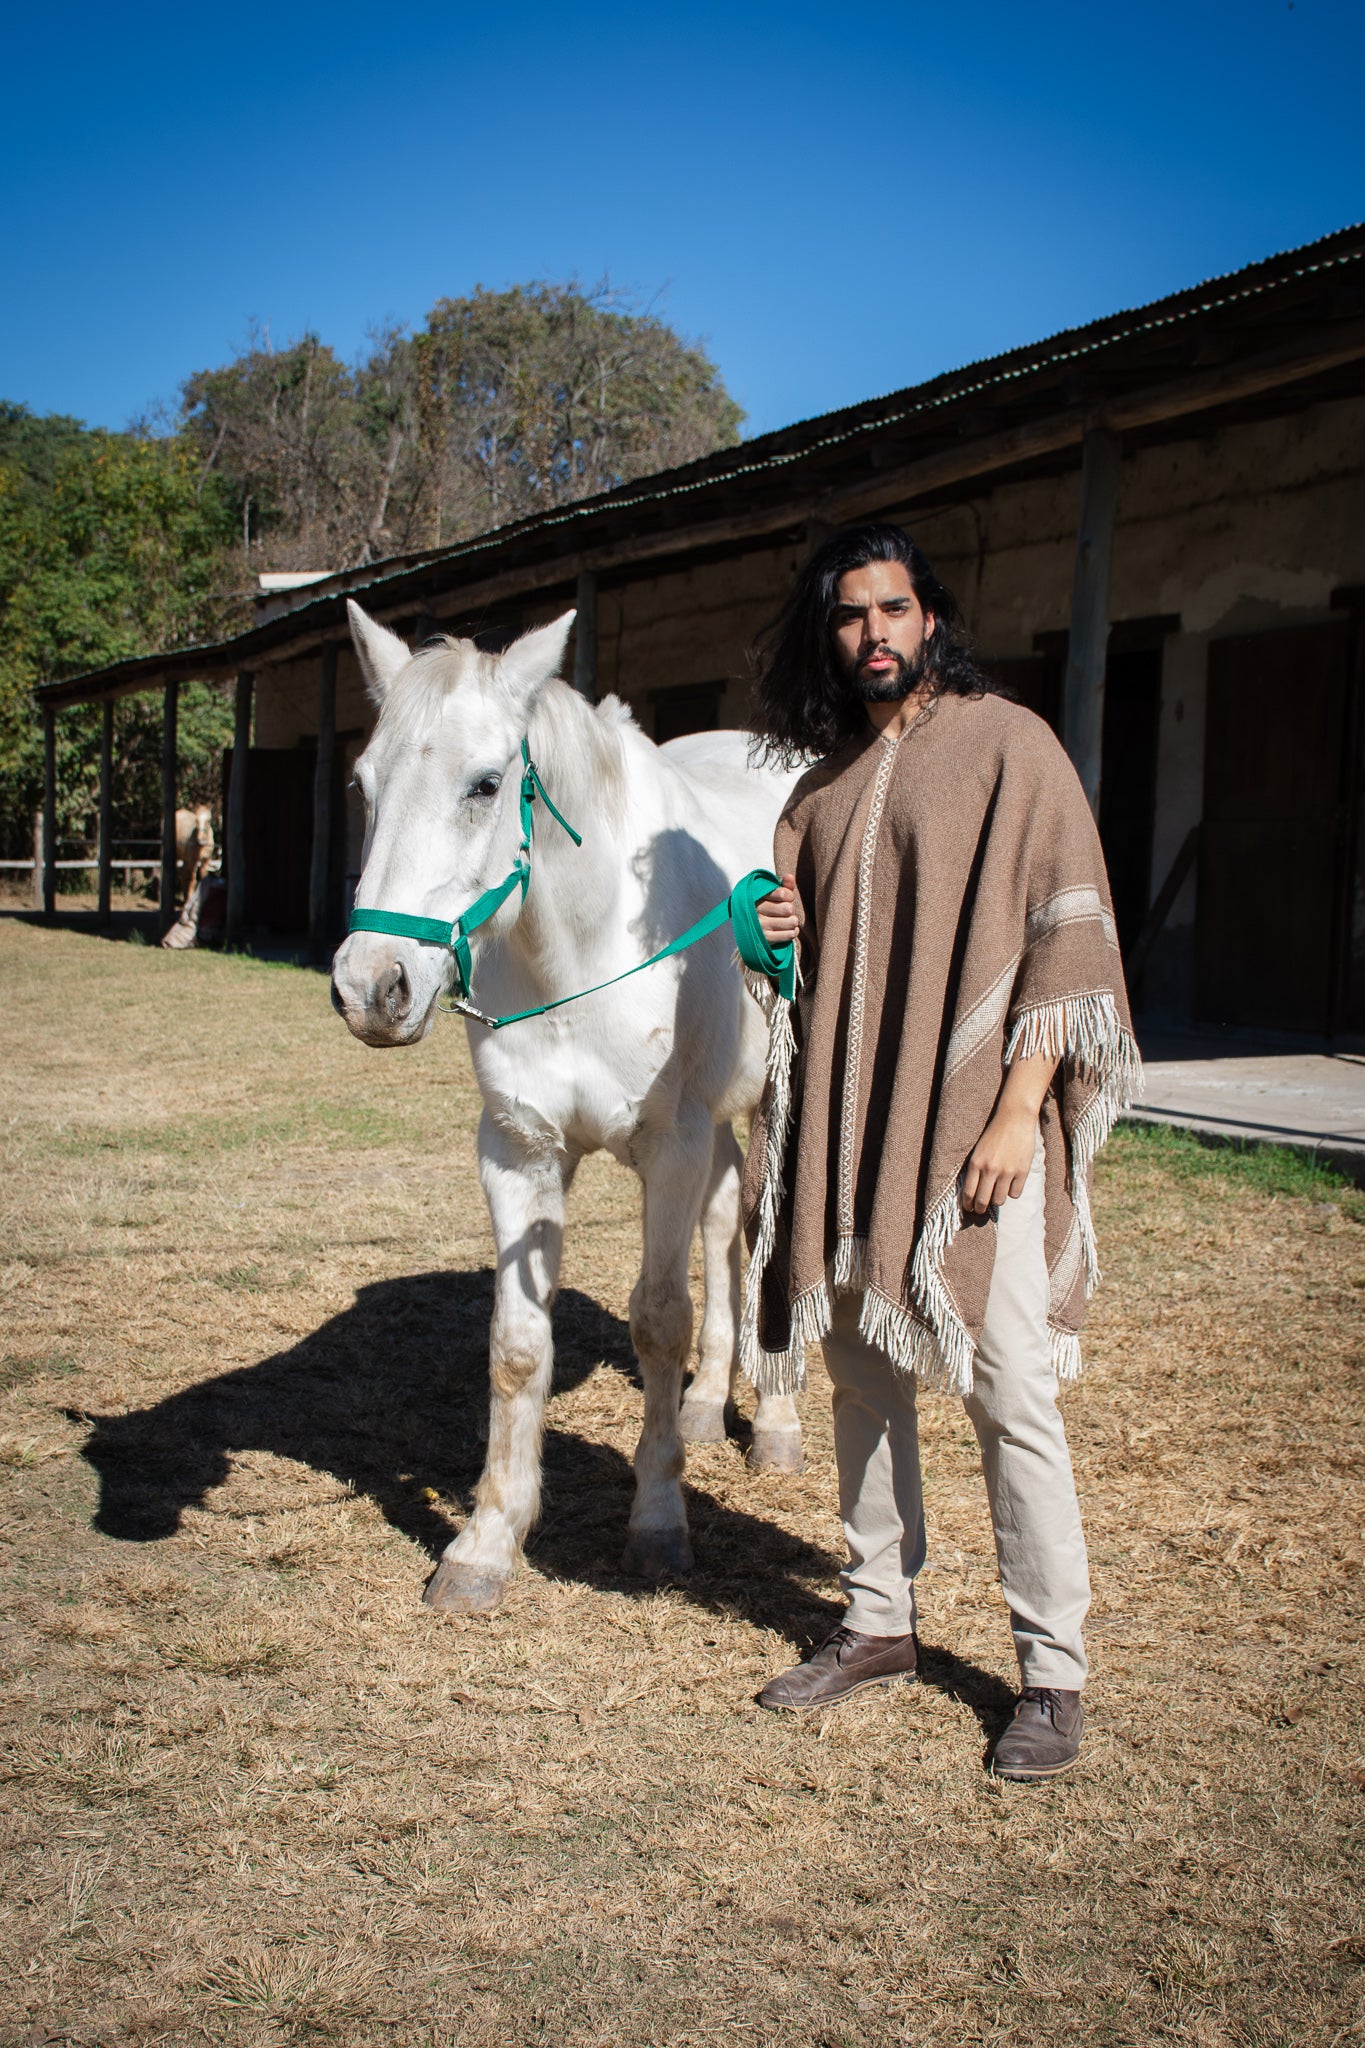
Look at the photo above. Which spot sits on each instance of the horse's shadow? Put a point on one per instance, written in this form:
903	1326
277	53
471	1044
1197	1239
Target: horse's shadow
391	1398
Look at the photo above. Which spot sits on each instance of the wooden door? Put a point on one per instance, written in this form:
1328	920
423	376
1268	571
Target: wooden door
1272	847
1132	720
279	836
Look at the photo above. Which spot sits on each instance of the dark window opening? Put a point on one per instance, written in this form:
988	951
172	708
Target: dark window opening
693	707
1274	851
1128	747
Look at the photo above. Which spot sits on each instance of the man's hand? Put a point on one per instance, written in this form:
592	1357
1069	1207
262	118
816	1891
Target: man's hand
1000	1161
780	914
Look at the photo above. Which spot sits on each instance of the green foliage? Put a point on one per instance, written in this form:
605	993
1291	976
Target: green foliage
109	547
1257	1168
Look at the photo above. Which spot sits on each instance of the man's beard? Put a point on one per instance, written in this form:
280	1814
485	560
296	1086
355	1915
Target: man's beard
894	688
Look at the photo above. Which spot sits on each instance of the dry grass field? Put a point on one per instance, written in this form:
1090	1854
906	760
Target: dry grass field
253	1792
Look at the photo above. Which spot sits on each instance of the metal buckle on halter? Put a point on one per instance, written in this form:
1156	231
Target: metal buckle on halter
458	1007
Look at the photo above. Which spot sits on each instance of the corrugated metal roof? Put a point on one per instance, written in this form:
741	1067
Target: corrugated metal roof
1274	281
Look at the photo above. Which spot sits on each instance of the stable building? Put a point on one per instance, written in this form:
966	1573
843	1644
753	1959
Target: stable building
1155	525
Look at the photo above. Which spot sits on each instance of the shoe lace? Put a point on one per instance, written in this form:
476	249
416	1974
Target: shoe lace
1048	1697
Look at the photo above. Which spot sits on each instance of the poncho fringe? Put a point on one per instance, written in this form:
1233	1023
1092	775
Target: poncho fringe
935	1344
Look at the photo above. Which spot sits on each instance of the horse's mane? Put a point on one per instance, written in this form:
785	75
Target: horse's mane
577	748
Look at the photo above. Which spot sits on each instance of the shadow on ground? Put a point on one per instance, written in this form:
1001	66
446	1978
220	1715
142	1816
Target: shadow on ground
391	1397
988	1696
141	925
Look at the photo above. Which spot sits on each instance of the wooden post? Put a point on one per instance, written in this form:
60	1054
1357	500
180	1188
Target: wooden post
585	637
39	865
166	894
234	929
1083	702
106	870
49	811
324	774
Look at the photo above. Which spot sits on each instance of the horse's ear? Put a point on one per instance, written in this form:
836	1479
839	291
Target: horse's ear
530	662
382	654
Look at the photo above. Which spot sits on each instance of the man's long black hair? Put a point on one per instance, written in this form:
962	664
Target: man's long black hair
804	706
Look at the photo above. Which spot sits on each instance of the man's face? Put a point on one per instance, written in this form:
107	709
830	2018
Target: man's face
881	632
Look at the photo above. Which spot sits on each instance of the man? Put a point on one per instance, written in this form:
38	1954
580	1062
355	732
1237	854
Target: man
916	1192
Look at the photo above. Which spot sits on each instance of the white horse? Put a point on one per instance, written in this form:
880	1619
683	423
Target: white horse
653	1070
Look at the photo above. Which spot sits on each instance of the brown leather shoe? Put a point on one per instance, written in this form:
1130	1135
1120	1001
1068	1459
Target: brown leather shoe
1044	1738
845	1663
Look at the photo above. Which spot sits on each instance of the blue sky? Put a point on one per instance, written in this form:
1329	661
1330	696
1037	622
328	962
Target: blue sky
838	201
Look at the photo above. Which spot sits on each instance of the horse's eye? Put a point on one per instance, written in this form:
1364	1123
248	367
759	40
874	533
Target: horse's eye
490	786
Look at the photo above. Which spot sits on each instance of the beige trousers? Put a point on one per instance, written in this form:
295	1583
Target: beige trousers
1013	1406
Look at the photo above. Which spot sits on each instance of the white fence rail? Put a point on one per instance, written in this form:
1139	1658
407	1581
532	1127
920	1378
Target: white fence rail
152	867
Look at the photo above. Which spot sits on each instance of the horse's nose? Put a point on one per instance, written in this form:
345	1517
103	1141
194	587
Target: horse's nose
393	993
337	1004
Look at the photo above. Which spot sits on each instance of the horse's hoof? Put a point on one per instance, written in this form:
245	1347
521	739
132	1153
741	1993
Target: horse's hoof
455	1588
777	1450
702	1422
657	1554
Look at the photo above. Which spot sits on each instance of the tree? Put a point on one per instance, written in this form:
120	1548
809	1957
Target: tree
109	547
283	432
503	404
544	394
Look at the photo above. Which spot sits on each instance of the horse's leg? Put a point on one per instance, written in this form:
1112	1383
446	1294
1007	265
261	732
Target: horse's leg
710	1400
525	1192
673	1166
708	1404
776	1443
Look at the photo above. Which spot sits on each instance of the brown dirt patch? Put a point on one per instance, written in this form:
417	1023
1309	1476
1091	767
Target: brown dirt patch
254	1793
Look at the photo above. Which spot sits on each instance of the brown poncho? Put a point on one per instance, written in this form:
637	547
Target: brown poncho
957	918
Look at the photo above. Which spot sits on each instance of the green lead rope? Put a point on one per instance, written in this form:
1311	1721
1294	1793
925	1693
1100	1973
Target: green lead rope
739	908
777	963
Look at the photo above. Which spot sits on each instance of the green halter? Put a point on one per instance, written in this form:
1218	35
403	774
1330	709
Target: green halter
434	931
740	907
